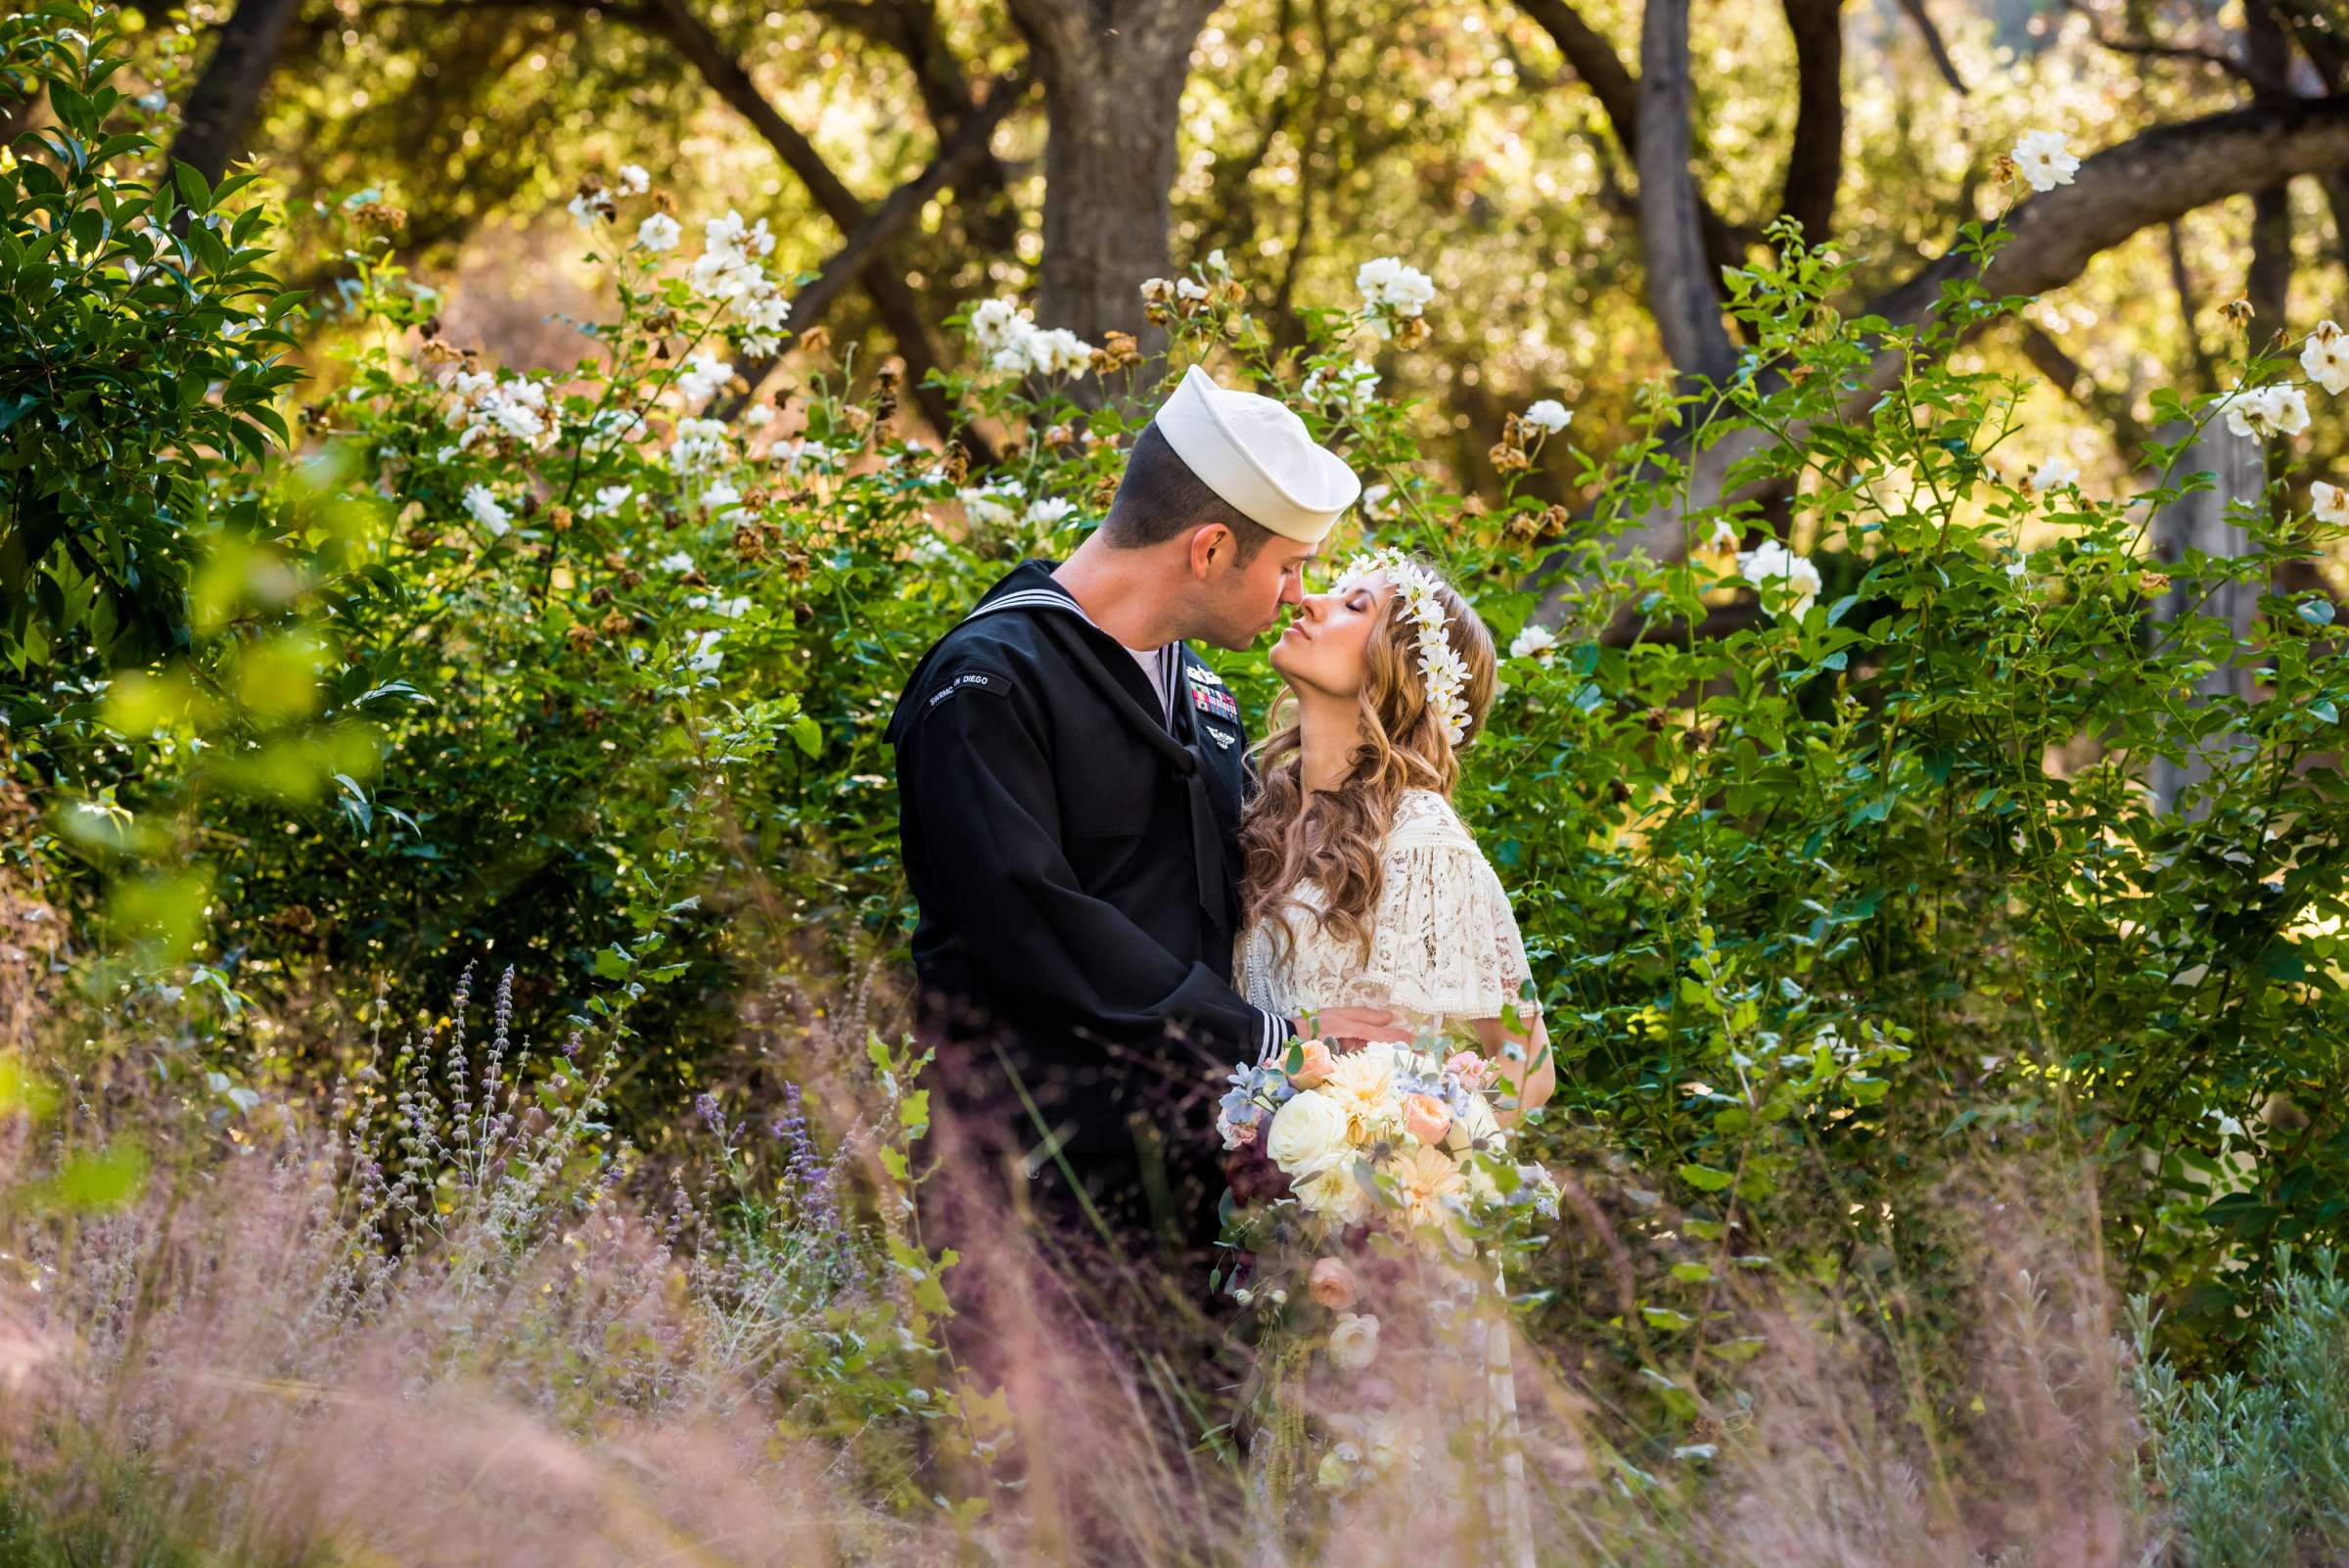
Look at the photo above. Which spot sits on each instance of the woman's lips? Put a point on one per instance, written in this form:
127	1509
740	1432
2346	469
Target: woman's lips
1294	630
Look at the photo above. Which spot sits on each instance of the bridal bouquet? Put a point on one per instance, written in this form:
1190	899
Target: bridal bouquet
1380	1172
1401	1135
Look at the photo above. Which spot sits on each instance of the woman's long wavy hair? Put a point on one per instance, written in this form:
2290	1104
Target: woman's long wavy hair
1334	840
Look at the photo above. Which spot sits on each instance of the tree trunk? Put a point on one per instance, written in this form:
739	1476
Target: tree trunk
1679	283
218	115
1814	165
1113	73
2203	521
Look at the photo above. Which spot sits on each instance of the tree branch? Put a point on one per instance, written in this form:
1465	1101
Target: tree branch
2146	47
900	312
2153	178
1917	13
2069	379
864	247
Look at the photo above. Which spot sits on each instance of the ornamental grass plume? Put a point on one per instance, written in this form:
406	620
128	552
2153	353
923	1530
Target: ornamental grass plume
424	1322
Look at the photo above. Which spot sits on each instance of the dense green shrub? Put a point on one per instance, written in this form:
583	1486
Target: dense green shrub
1815	913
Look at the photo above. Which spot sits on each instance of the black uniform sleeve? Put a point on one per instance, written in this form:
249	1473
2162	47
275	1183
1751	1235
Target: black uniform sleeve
973	768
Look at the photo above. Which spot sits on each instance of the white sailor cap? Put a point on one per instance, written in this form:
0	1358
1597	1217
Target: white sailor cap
1255	453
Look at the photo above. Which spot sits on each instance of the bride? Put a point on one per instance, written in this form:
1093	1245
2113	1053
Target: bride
1362	886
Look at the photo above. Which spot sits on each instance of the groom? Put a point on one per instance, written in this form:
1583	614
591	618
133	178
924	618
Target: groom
1070	780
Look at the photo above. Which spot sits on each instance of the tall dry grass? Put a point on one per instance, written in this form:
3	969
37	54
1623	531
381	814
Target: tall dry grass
426	1318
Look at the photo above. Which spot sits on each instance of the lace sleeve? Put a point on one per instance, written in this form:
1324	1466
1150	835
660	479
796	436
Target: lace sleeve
1446	941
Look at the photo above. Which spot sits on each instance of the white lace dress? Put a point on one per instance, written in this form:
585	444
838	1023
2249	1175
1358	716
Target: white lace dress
1445	950
1444	944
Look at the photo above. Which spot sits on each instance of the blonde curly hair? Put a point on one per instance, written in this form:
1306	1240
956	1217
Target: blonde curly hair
1334	839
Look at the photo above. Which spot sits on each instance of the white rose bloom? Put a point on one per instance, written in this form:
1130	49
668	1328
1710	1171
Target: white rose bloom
2263	411
2331	502
1804	578
1349	385
586	206
677	561
487	511
1548	416
659	232
634	180
2019	567
720	497
1389	289
701	652
1059	351
993	322
2053	474
2291	410
2046	160
703	374
1051	512
1374	500
1354	1342
1189	288
611	497
1533	642
2325	357
727	234
1309	1135
701	444
1772	559
761	315
993	507
759	414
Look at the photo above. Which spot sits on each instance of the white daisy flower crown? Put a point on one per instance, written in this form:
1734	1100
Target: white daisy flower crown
1441	669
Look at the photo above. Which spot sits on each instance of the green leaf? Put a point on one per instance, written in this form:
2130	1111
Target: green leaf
193	187
1705	1178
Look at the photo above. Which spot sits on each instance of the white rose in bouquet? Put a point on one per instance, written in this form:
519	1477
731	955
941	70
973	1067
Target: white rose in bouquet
1309	1135
1354	1342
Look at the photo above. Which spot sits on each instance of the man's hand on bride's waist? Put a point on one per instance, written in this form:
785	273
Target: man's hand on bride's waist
1353	1024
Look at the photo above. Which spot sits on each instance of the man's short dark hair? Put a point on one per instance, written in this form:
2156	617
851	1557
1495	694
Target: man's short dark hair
1160	498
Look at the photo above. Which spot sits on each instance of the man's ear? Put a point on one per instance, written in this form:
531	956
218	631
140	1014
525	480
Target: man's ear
1212	546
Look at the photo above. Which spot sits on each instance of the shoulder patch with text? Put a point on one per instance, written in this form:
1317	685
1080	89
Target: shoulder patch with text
985	680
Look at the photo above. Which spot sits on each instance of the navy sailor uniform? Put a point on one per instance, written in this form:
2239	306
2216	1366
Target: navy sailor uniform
1072	847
